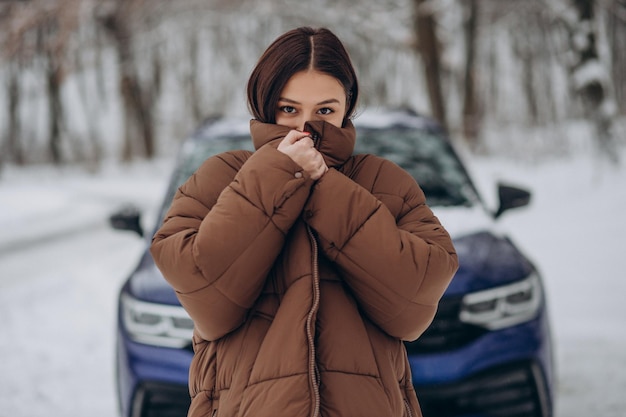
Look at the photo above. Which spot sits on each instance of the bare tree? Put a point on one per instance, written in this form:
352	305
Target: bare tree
471	111
123	20
40	29
15	51
590	76
532	54
428	48
13	149
617	38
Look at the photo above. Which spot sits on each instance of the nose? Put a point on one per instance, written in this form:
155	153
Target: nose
305	116
295	123
299	124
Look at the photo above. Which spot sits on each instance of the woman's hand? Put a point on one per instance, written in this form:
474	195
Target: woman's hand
300	148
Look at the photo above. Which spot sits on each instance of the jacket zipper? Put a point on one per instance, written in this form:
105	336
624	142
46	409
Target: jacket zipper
408	408
313	370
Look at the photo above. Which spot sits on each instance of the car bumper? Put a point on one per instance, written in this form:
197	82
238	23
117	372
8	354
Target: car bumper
503	373
157	399
152	381
514	390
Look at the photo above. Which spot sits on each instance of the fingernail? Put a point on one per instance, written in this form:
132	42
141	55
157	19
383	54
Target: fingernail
307	133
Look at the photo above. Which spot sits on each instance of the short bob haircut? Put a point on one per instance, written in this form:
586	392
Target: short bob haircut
299	50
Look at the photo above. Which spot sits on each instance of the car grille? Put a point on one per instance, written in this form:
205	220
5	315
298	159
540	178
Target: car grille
161	400
514	391
447	331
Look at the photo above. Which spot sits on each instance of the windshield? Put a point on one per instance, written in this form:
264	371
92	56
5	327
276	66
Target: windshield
427	157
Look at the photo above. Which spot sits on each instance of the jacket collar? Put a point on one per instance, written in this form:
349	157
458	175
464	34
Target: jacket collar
335	144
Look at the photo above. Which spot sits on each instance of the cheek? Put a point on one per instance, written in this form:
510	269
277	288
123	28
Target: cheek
280	118
338	116
337	119
285	120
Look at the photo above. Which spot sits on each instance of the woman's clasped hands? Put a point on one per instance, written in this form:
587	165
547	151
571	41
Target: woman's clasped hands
299	146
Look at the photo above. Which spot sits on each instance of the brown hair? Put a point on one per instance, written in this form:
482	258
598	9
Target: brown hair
294	51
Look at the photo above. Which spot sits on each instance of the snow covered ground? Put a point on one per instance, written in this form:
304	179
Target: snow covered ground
61	267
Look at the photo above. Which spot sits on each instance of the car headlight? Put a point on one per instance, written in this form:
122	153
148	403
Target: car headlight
503	306
156	324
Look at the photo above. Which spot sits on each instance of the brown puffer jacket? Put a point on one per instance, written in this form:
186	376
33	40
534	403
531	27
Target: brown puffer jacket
302	292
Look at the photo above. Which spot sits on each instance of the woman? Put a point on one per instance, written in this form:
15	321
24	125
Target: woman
303	267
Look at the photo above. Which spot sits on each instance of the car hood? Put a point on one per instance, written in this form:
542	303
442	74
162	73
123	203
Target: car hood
487	256
148	284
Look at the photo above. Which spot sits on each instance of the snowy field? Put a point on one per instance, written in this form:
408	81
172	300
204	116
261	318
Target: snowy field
61	267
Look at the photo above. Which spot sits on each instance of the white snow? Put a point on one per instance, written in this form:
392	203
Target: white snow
58	290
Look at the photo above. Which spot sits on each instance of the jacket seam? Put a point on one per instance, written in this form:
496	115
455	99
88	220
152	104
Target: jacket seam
378	377
358	229
276	378
408	300
220	276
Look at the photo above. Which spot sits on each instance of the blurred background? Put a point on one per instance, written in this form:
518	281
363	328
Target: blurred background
86	80
96	96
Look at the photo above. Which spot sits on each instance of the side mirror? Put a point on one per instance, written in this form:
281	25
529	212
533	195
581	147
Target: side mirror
128	218
511	197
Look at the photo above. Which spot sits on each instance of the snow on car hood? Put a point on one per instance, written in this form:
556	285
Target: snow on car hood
487	256
462	220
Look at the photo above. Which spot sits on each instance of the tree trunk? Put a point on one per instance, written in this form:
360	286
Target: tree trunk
54	76
471	112
590	87
191	80
137	104
15	151
55	109
617	39
523	49
428	48
91	104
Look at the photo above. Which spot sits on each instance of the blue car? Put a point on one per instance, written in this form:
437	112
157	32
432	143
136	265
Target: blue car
488	351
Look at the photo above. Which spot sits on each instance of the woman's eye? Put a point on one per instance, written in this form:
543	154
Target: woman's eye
288	109
325	111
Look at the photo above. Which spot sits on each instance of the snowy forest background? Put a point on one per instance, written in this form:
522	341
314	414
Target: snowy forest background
84	81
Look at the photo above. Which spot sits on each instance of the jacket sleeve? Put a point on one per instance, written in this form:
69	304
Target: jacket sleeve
397	268
223	232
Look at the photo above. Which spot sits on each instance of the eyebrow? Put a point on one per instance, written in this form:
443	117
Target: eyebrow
329	101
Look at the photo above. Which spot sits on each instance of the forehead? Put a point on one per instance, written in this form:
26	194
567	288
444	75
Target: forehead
313	84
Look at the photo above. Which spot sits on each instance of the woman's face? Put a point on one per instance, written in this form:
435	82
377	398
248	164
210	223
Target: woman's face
308	96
